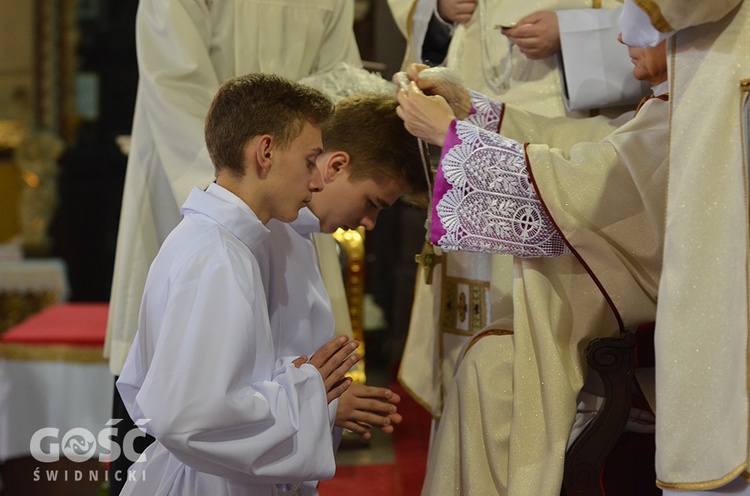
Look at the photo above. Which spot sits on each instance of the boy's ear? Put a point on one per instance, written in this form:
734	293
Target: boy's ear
336	165
263	151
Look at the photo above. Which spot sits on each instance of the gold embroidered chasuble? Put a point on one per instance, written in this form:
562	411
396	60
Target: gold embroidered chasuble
510	407
440	328
702	322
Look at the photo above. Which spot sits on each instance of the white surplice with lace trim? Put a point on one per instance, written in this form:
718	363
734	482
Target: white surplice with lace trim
484	199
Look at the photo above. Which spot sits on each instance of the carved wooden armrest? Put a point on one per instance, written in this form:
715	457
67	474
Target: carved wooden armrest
613	360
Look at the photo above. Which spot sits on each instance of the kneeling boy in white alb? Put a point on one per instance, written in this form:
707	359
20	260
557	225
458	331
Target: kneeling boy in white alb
202	367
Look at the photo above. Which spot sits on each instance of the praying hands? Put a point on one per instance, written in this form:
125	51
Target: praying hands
363	407
333	360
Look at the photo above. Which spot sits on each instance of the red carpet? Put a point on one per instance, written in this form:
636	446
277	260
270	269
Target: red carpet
364	480
402	478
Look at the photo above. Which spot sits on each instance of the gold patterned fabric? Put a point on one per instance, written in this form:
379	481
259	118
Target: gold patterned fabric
701	336
669	15
71	332
607	198
28	286
430	353
52	353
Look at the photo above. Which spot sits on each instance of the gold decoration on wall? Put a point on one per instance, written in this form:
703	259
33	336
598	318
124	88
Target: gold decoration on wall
16	306
353	244
57	38
12	134
36	157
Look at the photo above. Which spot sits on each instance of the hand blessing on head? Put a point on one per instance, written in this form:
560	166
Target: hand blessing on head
426	117
442	81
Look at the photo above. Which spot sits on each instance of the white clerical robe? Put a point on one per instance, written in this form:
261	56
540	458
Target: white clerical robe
511	405
471	290
202	370
588	32
299	308
701	336
298	305
186	49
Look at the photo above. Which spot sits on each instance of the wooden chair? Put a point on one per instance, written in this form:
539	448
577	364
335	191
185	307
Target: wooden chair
604	460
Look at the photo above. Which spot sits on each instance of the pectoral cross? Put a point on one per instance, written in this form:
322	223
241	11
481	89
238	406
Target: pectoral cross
428	259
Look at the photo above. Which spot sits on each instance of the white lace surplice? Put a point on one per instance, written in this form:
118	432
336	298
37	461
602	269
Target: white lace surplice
484	200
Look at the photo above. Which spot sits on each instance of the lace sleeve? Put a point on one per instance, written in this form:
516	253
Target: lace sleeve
484	201
485	113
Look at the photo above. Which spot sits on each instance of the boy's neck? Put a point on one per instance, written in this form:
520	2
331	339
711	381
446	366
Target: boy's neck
242	189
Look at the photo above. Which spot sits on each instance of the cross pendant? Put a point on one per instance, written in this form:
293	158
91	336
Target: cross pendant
428	259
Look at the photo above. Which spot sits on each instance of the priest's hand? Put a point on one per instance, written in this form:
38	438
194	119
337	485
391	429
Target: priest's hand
536	35
442	81
426	117
456	10
333	360
363	407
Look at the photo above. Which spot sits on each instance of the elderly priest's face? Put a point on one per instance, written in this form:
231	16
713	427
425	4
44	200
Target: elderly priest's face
650	64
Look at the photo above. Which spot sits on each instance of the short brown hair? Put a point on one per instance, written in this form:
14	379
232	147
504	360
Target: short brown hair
380	148
255	104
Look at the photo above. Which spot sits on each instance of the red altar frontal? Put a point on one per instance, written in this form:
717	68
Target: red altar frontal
55	386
